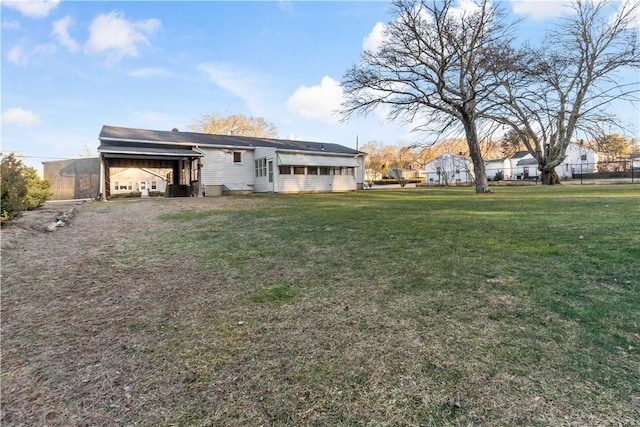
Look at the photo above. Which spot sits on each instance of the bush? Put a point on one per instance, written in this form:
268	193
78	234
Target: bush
129	195
22	188
499	176
13	187
37	190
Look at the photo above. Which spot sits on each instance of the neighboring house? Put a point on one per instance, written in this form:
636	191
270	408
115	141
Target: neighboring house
523	166
73	178
205	164
492	167
449	169
578	159
126	180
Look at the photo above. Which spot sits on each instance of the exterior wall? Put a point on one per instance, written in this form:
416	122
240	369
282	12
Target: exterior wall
218	167
261	183
315	183
135	176
73	179
580	160
493	166
448	169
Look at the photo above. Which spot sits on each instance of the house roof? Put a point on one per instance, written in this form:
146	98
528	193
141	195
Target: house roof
519	154
121	136
527	162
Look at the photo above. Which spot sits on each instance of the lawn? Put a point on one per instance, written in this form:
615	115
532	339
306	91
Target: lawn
385	307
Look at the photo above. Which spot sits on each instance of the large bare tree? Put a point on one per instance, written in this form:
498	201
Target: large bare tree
432	69
235	124
565	88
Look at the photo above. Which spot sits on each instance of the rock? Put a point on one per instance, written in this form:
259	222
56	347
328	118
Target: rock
52	227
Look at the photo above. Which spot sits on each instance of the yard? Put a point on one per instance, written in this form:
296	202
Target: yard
422	307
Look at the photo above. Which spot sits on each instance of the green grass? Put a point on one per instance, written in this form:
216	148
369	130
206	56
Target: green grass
412	307
432	306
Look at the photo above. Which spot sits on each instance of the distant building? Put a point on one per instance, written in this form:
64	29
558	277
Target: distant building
449	169
73	178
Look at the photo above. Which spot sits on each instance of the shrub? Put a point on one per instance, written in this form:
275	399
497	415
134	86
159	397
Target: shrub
37	189
499	176
13	187
22	188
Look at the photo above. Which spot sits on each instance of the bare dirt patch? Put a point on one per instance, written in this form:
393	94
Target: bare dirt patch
87	340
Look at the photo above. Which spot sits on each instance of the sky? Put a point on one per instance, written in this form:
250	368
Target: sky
70	67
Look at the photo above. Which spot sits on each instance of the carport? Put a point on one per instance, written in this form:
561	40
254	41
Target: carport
183	160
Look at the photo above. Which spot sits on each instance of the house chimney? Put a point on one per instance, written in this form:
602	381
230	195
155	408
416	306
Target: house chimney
174	130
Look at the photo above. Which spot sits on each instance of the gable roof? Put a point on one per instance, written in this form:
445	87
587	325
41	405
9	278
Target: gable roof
114	134
519	154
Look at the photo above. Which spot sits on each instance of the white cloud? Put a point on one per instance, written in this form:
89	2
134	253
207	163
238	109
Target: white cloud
17	56
374	39
10	25
20	117
246	85
32	8
151	72
540	10
117	36
61	33
321	101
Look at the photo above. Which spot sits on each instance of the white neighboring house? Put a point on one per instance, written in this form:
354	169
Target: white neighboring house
579	159
492	167
126	180
523	166
212	165
449	169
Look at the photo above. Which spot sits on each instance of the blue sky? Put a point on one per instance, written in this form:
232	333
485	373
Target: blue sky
70	67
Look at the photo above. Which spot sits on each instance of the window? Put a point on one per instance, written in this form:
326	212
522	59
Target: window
261	167
351	171
270	171
298	170
312	170
583	157
325	170
129	185
237	157
154	185
285	170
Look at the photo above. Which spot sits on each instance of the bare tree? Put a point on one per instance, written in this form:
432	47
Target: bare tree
432	67
551	94
374	161
235	124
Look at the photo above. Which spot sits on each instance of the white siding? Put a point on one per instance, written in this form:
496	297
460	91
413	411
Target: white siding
261	183
315	183
218	167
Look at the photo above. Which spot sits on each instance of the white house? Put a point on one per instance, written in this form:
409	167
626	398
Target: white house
449	169
493	167
205	164
126	180
578	159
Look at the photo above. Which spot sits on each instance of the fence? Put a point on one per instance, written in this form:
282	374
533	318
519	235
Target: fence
606	172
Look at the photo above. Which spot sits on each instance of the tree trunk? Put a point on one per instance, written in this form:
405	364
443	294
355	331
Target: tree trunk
549	177
482	184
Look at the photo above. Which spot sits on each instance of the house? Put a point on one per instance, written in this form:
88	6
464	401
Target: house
523	166
213	165
449	169
497	166
143	180
578	159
